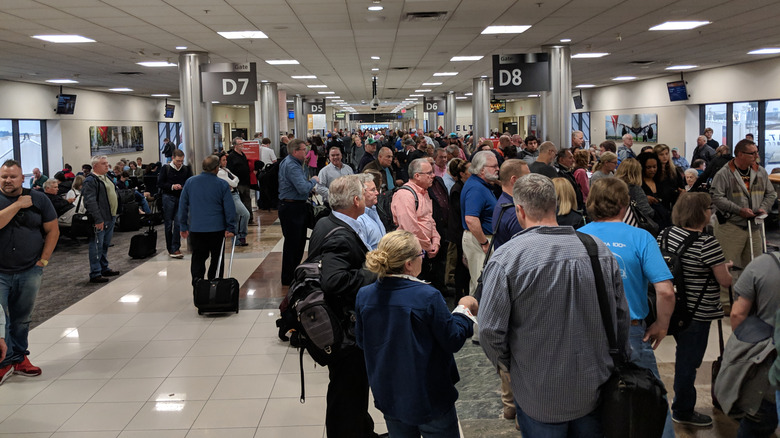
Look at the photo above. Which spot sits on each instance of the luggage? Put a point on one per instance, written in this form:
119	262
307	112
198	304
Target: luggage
219	294
145	244
130	218
719	361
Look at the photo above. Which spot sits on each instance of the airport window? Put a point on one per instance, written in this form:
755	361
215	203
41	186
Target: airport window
24	141
171	131
715	118
581	122
744	120
771	143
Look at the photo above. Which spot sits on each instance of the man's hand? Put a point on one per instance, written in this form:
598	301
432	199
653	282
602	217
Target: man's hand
24	201
746	213
316	179
176	187
655	334
184	234
99	226
485	247
471	303
228	234
3	349
652	199
433	251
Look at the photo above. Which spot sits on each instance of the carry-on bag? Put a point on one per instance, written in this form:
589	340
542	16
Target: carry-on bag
219	294
145	244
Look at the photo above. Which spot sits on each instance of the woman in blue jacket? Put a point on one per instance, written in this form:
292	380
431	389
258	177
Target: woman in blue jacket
408	337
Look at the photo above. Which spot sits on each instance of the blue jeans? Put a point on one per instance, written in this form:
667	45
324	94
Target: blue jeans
760	425
17	296
170	210
642	354
588	426
691	345
98	248
243	216
445	426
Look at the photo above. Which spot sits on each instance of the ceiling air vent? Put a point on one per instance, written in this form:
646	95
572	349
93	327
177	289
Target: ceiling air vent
399	68
425	16
130	73
642	63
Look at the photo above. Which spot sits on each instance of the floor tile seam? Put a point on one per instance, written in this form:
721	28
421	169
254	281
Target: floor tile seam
189	429
29	402
99	430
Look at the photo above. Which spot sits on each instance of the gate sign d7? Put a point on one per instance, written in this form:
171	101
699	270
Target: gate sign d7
521	73
229	83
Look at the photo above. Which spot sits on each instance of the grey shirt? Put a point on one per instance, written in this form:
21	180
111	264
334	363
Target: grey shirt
327	175
539	317
758	283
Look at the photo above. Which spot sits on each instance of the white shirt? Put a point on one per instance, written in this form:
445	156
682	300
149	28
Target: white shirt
267	155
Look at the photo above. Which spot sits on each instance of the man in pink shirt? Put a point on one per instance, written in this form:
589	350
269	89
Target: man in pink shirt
413	211
440	162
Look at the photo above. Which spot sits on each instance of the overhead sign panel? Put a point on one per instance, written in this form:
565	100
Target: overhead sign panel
433	105
521	73
228	83
314	106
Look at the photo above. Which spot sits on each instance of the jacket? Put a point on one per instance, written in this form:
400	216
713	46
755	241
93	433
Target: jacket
95	198
743	381
374	165
729	193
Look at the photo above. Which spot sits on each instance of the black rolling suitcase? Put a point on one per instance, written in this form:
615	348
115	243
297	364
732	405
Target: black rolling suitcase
220	294
143	245
129	219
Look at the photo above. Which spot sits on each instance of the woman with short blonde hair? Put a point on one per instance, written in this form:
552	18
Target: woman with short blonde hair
567	203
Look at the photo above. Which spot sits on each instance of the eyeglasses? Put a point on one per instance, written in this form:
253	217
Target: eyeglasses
755	152
423	253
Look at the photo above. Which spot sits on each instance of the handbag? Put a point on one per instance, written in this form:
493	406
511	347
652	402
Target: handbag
636	218
83	225
632	402
315	210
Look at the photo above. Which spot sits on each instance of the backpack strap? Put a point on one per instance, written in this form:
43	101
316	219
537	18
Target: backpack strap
416	201
504	207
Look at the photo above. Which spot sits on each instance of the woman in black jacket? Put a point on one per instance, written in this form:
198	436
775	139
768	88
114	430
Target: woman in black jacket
459	169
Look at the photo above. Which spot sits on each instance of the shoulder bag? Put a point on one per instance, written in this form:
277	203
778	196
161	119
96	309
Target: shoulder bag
632	402
83	224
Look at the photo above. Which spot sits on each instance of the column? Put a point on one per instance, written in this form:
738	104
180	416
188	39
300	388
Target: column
269	111
556	103
433	121
196	126
450	117
301	123
480	108
255	121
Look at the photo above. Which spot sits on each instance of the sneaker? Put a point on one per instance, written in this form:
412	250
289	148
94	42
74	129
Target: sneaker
109	273
25	368
695	419
6	372
98	279
176	255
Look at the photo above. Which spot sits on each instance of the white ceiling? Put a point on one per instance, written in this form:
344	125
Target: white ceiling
335	39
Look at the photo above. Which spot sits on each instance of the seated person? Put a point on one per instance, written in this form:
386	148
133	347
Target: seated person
64	208
123	183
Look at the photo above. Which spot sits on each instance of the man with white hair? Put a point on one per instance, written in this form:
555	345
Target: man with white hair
371	227
577	139
476	206
703	150
625	151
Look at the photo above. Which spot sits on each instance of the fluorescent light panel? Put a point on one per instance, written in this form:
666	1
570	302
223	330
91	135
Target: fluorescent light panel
681	67
465	58
181	47
375	8
243	34
161	95
431	84
416	95
585	86
589	55
422	91
59	39
624	78
317	86
156	64
566	40
375	69
765	51
680	25
282	61
374	57
120	89
304	77
505	29
326	92
62	81
446	73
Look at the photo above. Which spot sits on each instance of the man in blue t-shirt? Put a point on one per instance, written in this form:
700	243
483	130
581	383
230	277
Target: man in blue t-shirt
640	261
476	207
508	226
29	232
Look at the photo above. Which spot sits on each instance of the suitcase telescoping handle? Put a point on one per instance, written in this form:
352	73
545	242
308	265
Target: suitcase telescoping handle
222	254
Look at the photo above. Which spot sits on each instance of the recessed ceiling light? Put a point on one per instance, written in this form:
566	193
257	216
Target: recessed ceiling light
446	73
181	47
120	89
431	84
64	38
282	61
304	77
585	86
491	88
416	95
161	95
375	8
533	95
505	29
333	97
326	92
468	94
317	86
681	67
589	55
62	81
422	91
374	69
411	99
766	51
243	35
566	40
374	57
624	78
465	58
461	97
156	64
214	101
679	25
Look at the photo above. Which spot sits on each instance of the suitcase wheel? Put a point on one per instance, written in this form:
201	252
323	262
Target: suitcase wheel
200	312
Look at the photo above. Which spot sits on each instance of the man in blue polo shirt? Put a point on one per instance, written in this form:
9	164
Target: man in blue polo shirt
512	170
476	206
640	261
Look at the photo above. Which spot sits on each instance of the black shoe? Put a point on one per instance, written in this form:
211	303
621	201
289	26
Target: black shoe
109	273
695	419
99	279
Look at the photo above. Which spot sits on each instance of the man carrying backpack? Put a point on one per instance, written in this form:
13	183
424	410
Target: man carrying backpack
336	242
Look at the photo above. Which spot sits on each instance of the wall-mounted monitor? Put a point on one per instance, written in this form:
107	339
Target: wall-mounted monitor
497	105
677	91
169	109
290	114
578	102
66	103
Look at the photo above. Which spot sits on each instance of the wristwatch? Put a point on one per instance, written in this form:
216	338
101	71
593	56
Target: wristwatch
45	262
484	243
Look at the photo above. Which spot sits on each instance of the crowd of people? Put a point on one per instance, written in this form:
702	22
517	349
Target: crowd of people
418	218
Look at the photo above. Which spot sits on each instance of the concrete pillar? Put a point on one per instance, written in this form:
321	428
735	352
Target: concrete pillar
556	103
196	123
301	122
480	108
255	121
269	111
450	116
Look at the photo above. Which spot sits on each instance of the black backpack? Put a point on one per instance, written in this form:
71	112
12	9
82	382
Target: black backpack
384	207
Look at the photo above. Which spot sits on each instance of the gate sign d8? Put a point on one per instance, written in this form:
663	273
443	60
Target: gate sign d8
516	74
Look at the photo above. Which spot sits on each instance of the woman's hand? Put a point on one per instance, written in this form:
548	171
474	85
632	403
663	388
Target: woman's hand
652	199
